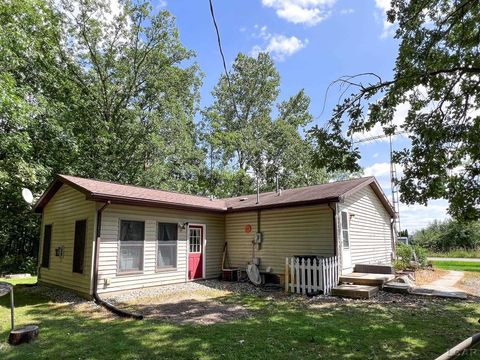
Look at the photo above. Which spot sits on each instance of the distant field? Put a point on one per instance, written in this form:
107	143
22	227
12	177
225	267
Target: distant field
457	265
459	253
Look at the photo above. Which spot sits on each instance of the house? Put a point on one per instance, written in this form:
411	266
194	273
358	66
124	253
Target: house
108	237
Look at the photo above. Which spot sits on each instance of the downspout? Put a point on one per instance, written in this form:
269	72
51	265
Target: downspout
96	297
334	217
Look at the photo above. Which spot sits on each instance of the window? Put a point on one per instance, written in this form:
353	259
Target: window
167	245
195	240
47	242
132	236
79	246
345	236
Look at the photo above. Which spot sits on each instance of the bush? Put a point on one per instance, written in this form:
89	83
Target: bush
13	265
421	254
405	256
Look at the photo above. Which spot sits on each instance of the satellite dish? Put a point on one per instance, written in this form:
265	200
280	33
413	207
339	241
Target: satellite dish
27	195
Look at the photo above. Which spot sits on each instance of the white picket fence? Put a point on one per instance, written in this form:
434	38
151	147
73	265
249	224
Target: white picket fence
309	276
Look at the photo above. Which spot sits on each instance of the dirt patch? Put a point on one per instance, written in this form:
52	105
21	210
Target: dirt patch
470	283
426	276
195	309
201	303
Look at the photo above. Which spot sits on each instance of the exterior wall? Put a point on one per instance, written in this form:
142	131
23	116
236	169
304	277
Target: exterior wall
369	228
289	231
67	206
108	261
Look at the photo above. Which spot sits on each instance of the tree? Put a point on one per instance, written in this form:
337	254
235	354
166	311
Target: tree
138	98
243	140
449	235
90	92
437	73
33	141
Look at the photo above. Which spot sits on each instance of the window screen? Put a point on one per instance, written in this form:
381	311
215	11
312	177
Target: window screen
345	235
167	245
132	236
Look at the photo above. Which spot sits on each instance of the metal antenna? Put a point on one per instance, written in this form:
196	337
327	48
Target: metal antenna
393	175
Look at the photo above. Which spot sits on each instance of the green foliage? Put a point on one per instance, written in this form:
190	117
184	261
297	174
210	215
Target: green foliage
436	75
443	236
421	255
407	253
456	253
91	93
404	256
241	136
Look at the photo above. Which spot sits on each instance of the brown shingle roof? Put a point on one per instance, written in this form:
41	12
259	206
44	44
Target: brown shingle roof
134	195
330	192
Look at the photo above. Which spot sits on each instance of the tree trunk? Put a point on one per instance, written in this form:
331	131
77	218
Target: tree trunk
22	335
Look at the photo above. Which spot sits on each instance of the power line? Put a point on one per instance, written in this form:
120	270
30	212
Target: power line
219	41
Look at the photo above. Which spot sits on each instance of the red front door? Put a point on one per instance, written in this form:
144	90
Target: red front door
195	250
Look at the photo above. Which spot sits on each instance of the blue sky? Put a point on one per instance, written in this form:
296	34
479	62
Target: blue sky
313	42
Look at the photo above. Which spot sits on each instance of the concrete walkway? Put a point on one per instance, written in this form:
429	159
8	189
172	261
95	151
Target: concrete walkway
454	259
444	287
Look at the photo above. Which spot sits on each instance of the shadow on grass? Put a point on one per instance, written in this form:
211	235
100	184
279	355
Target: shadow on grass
278	329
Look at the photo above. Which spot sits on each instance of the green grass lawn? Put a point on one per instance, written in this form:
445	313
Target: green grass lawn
277	329
457	265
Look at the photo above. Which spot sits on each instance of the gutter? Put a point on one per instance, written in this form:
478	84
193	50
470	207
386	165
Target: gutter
96	297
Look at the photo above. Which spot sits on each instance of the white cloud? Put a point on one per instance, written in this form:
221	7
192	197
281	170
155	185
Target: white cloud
415	217
279	46
377	169
376	155
384	6
309	12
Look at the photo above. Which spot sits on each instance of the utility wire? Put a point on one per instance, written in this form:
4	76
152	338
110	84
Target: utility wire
219	41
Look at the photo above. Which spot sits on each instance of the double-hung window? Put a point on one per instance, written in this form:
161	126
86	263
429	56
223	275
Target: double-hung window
167	246
132	238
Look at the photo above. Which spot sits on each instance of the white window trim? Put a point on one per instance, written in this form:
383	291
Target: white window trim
204	250
169	268
126	273
348	229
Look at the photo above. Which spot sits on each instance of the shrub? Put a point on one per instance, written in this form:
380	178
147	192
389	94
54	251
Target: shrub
404	255
421	254
19	264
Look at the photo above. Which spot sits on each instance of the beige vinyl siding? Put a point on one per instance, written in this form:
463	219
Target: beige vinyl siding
108	262
67	206
289	231
369	231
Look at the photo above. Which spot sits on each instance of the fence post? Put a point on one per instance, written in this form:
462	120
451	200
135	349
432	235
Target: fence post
297	273
315	270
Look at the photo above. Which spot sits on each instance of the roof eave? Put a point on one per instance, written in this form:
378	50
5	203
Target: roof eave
151	203
285	205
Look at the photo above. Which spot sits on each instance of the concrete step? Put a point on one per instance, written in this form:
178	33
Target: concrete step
366	279
374	269
397	287
355	291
